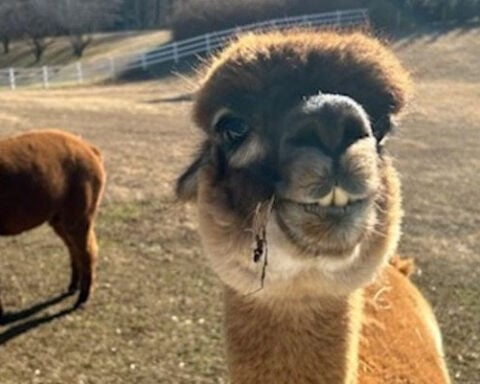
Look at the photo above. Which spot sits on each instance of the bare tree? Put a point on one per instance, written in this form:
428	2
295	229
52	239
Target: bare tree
78	19
9	27
145	14
36	24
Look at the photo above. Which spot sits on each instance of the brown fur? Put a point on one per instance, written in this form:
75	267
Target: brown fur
323	305
349	64
55	177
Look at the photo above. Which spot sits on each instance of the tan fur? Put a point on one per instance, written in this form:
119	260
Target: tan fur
398	342
322	304
55	177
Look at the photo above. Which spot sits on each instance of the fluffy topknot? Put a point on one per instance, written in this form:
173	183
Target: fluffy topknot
302	63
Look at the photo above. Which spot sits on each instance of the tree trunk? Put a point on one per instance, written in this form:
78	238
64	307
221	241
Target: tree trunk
6	44
38	49
79	43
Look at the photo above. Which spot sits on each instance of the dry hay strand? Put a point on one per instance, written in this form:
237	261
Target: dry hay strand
262	214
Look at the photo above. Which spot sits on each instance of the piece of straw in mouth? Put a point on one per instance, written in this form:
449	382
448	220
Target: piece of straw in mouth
260	220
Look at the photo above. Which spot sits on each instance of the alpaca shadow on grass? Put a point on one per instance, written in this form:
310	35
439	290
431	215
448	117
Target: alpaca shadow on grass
172	99
17	330
432	32
184	67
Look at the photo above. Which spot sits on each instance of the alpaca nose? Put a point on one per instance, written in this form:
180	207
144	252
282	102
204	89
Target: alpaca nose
330	123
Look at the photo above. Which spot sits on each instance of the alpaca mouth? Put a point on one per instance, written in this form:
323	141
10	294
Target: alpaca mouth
333	211
330	230
336	205
333	216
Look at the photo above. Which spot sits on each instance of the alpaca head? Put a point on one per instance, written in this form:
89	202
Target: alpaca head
300	117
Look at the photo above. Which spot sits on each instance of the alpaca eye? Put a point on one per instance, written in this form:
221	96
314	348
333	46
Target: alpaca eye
232	129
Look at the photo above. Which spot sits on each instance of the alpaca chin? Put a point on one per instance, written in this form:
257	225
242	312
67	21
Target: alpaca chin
229	243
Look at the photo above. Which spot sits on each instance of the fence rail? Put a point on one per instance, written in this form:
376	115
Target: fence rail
111	67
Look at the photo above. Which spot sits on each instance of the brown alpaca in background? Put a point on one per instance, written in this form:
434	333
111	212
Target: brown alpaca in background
300	210
53	176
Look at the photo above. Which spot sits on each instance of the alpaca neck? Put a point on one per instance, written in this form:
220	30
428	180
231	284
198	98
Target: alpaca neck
307	340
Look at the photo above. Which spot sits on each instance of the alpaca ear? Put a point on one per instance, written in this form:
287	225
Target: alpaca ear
187	183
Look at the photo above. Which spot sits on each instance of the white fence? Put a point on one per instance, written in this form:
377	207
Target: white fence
111	67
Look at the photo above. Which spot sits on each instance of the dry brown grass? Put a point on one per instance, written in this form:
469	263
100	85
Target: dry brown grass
156	314
59	52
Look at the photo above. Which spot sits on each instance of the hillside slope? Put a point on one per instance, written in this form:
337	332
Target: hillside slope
102	46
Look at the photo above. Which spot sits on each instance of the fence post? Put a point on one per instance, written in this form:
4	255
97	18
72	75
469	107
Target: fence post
207	43
305	20
11	76
365	16
111	63
144	61
175	52
338	18
45	76
79	72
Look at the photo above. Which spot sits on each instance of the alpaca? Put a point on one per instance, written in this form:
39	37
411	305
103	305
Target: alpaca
299	210
55	177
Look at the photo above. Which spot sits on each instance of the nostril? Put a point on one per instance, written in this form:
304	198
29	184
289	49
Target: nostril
354	129
333	138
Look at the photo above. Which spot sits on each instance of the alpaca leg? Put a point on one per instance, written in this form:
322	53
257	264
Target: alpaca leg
74	276
74	265
79	213
86	257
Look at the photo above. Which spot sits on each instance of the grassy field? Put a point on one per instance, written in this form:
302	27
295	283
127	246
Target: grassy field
156	315
59	51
